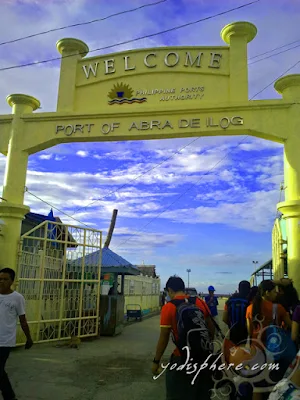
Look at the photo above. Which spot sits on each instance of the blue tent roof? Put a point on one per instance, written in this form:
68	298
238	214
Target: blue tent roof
111	262
111	259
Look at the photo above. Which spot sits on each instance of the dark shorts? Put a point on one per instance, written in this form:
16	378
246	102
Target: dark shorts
179	384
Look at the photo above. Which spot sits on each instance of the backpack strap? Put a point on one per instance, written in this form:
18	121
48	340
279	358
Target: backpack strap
275	313
192	300
178	302
204	305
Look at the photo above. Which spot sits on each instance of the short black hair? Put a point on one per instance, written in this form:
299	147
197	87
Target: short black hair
244	288
176	284
9	271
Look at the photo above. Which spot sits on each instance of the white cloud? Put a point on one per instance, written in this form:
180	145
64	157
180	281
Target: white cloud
45	156
256	214
82	153
59	158
131	240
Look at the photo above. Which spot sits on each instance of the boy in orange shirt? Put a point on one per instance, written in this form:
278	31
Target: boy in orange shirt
178	382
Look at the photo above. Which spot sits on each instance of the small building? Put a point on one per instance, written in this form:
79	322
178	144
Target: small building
139	284
147	270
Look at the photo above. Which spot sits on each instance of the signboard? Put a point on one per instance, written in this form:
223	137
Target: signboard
160	77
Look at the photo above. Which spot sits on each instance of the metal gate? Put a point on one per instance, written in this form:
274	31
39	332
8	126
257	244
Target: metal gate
278	256
61	290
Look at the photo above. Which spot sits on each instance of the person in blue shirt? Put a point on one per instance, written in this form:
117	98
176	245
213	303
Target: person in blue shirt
212	302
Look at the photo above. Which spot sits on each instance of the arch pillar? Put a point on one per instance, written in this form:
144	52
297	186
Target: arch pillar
71	51
12	209
238	35
289	87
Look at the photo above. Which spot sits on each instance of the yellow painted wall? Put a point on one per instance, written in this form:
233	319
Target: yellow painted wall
143	291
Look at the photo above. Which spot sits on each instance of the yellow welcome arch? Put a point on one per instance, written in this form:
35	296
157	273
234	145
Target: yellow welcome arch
158	93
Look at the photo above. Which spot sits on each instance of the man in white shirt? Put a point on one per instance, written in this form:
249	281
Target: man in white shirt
12	307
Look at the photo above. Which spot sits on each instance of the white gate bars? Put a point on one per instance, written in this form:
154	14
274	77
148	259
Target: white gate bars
61	290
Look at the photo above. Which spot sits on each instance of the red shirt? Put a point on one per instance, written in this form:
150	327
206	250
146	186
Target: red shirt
168	316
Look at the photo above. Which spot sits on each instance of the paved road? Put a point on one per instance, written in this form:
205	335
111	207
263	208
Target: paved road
116	368
104	369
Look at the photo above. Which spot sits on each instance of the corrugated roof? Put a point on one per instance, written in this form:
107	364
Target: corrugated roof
38	218
111	262
111	259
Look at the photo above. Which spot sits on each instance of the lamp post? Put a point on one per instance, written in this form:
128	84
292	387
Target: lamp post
255	266
188	271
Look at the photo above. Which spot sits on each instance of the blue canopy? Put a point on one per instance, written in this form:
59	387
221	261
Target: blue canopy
110	263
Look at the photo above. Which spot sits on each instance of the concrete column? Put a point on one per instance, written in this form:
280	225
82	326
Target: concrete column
289	87
71	50
238	35
122	284
12	209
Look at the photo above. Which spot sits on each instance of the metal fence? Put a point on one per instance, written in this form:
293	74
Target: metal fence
62	292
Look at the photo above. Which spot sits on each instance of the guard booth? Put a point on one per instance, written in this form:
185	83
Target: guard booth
111	308
112	300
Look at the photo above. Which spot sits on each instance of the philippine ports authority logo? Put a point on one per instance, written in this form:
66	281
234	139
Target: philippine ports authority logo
123	94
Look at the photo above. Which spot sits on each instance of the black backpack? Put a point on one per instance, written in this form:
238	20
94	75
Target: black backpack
192	330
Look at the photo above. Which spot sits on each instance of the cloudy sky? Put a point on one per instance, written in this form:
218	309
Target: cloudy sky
181	203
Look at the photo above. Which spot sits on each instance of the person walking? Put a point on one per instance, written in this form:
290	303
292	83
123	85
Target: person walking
287	295
252	294
12	307
265	310
234	315
296	325
212	302
191	310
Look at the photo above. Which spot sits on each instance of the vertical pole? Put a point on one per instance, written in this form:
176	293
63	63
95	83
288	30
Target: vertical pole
237	35
81	283
62	305
188	271
12	210
122	284
289	87
98	284
41	280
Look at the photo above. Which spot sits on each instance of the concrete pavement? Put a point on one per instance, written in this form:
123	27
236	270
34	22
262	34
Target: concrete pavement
107	368
117	368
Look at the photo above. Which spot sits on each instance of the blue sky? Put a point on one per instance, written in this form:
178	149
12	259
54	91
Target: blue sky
223	221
